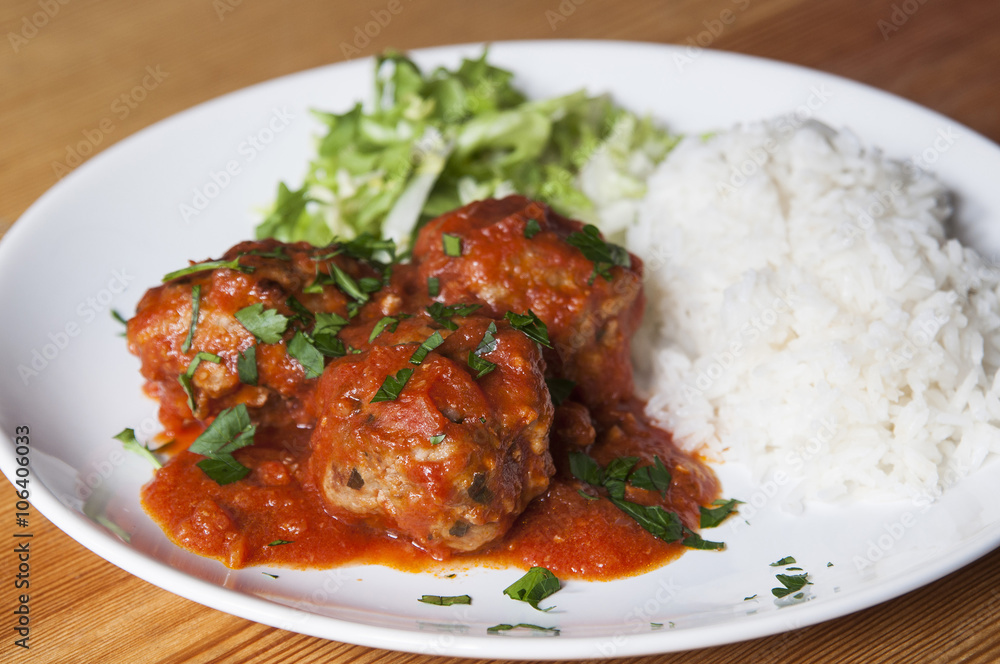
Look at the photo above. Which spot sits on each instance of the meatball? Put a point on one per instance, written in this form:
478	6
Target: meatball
514	255
291	279
450	458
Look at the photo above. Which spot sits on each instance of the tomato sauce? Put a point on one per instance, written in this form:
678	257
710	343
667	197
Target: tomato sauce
241	524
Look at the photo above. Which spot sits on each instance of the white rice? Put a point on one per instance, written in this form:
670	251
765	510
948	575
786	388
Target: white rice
807	313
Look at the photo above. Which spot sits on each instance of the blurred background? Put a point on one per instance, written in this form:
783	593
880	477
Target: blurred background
99	70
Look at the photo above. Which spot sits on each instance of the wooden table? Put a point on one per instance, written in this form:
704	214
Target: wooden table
66	61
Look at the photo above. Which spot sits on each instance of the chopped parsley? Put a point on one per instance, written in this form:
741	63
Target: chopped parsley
747	599
712	517
621	472
273	576
267	325
537	584
121	319
443	314
504	627
489	344
302	314
693	540
279	542
208	265
655	477
386	323
532	228
430	343
230	431
480	366
347	284
791	583
787	560
445	600
392	386
186	379
602	254
654	519
195	305
324	335
452	245
559	389
433	286
303	350
246	366
436	440
530	325
127	437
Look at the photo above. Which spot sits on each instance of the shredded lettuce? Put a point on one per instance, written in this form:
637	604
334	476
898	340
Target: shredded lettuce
436	141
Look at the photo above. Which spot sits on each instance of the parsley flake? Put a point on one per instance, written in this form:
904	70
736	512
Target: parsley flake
347	284
489	344
532	228
712	517
324	335
792	583
429	344
559	389
127	437
303	350
246	366
436	440
230	431
433	286
186	379
267	325
787	560
195	304
452	245
537	584
208	265
279	542
653	478
392	386
386	323
602	254
442	314
445	600
504	627
530	325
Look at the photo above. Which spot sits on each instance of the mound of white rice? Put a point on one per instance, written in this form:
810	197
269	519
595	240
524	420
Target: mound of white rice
807	313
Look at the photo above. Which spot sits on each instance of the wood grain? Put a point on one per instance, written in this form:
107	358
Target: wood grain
63	80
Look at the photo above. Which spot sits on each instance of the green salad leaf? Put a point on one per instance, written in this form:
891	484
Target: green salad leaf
432	141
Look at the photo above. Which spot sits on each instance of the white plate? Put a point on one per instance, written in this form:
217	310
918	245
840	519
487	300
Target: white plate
108	232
